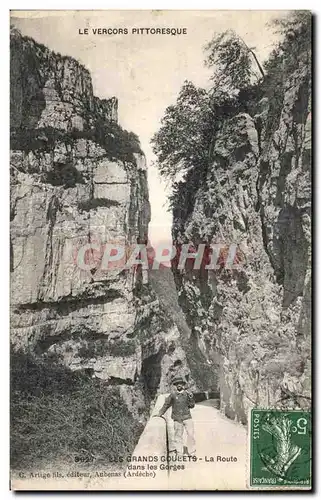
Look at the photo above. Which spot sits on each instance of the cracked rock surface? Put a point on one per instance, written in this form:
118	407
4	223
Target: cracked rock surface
78	179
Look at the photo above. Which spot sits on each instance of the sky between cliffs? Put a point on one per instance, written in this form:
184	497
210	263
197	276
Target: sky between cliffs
145	72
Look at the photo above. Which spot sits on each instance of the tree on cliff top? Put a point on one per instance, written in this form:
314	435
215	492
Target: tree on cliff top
184	138
234	64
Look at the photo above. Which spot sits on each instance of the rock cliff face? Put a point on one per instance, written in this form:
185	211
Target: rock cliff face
252	324
78	179
48	89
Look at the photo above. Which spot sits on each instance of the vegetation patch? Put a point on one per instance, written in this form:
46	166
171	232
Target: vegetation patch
118	143
65	175
93	203
56	415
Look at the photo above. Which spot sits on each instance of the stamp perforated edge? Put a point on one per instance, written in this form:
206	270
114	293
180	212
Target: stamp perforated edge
248	456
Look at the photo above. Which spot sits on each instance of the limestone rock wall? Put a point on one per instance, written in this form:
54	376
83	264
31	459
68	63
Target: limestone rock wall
48	89
253	324
78	179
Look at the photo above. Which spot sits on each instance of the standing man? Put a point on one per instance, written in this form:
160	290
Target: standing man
181	402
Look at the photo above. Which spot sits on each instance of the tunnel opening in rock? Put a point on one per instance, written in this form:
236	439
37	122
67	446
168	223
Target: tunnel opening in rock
151	372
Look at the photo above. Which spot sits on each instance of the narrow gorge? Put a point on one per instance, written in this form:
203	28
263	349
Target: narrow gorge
91	349
252	322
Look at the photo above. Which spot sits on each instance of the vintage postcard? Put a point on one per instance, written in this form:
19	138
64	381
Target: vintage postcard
160	176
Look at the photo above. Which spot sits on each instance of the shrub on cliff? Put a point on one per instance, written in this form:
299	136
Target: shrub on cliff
64	175
118	143
86	206
59	416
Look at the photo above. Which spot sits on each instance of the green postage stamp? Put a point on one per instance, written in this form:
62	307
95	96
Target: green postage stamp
280	448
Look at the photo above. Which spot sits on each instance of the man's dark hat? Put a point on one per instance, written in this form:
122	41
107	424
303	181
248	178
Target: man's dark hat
178	380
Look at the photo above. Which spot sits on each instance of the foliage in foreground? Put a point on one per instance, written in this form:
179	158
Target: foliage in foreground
58	415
